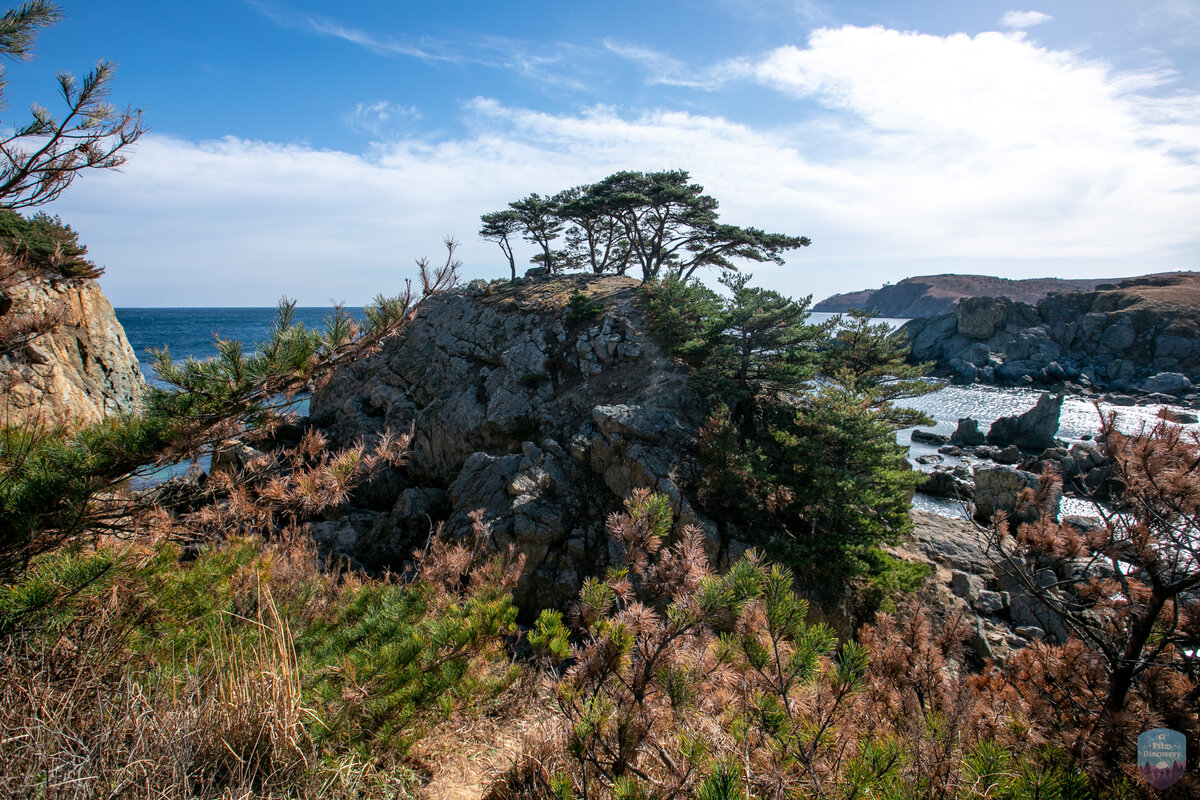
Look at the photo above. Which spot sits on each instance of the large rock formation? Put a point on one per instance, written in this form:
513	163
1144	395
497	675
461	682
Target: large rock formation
80	370
931	295
1033	430
543	418
1139	334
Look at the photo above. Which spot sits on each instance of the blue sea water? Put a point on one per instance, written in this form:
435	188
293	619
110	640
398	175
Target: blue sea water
190	332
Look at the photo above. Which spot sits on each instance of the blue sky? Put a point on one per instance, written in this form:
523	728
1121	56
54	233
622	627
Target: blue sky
314	149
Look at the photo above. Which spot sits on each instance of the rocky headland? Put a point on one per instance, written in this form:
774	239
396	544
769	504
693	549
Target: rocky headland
1139	336
543	414
79	370
931	295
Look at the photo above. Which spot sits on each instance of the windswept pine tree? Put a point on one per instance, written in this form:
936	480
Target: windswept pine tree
660	222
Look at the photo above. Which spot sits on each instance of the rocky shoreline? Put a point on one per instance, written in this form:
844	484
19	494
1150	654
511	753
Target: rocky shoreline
1137	341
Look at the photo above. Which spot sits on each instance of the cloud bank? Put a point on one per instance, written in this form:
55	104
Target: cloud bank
911	153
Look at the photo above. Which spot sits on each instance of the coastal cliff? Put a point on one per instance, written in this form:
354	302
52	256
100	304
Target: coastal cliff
931	295
543	413
81	369
1141	334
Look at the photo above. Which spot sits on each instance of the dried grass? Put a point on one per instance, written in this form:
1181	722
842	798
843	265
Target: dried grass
75	722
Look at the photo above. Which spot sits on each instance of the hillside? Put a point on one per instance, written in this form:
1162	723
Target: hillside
930	295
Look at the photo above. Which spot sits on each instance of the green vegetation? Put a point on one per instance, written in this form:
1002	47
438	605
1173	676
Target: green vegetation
45	245
800	448
190	641
328	673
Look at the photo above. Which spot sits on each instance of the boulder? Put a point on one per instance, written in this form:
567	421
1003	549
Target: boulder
929	437
1033	430
944	483
999	488
979	317
967	433
956	544
1168	382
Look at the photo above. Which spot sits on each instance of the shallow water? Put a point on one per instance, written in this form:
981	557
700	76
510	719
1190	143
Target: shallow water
1080	417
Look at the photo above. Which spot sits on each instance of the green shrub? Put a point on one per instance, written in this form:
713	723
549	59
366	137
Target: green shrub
580	307
49	246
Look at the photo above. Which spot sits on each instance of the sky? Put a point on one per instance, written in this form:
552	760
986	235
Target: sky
315	149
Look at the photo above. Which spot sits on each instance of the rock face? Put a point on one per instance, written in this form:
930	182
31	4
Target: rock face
1141	334
81	370
931	295
1033	430
544	421
999	489
973	574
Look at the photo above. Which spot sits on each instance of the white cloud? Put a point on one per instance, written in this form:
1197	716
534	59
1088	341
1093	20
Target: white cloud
1024	19
924	154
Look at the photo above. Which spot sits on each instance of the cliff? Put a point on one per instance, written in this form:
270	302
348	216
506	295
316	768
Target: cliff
931	295
1139	334
81	369
543	416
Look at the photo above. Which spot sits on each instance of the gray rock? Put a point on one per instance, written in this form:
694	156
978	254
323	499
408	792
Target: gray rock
929	437
1033	430
482	377
1030	632
1008	455
1169	382
979	317
958	544
966	586
999	488
967	433
944	483
988	602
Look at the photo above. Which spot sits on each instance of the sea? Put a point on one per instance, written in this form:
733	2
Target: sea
191	332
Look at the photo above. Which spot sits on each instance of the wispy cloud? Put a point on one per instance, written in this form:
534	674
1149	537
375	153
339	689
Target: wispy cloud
662	69
1179	20
381	118
425	49
556	64
1024	19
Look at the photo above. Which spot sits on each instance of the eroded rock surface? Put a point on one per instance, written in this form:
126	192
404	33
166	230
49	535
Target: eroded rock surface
543	419
1138	335
81	370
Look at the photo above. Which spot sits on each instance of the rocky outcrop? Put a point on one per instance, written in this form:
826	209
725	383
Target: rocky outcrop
1033	430
542	418
999	489
974	575
1141	334
931	295
80	370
